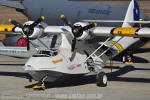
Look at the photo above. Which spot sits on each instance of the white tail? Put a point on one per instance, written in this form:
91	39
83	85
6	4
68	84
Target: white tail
133	14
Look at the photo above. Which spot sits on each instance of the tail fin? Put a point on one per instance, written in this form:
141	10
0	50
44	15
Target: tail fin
133	14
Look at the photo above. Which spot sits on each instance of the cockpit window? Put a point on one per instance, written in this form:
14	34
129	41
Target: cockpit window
53	42
40	55
46	53
50	53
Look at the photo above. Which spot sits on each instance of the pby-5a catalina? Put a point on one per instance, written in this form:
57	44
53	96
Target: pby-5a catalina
73	56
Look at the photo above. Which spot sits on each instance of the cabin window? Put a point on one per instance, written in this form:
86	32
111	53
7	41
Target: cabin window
46	53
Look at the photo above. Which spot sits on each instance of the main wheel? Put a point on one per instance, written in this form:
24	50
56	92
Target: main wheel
101	79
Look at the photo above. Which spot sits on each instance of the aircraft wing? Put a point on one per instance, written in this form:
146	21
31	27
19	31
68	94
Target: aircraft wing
12	4
103	31
20	52
116	21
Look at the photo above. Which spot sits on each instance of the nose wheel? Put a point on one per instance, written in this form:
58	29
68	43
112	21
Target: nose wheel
101	79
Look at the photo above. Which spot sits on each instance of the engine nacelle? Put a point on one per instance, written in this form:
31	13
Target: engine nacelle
37	32
85	34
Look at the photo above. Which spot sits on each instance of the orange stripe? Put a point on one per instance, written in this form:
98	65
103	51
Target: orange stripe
57	61
119	47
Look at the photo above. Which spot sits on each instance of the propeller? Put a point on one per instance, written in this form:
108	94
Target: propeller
27	29
76	30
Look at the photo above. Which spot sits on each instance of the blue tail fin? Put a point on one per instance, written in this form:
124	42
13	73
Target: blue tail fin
136	11
133	14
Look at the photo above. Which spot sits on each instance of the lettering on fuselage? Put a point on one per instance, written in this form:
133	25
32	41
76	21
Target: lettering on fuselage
99	11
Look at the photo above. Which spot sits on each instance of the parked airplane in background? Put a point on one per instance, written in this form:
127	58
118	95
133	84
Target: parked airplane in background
75	11
72	56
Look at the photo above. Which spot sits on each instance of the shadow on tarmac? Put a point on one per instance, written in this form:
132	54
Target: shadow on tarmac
86	79
135	59
89	79
114	76
142	50
15	74
12	64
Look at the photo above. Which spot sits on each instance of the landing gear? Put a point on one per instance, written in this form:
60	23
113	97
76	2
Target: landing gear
97	68
90	64
128	58
101	79
39	86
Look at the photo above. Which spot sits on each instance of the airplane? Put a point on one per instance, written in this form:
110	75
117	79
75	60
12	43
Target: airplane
73	56
74	10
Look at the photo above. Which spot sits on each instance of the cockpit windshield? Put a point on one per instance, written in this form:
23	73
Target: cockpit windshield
46	53
53	42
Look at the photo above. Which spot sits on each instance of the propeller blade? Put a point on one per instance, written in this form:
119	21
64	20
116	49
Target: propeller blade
37	22
28	44
27	29
77	31
66	21
89	26
16	23
73	45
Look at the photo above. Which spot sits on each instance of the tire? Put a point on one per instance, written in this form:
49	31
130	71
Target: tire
123	59
101	79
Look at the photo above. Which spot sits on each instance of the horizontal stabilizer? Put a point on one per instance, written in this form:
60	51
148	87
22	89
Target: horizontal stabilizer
11	4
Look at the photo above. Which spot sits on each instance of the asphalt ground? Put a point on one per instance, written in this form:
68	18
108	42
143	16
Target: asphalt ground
126	82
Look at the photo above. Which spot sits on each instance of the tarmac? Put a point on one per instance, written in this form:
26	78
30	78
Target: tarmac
127	82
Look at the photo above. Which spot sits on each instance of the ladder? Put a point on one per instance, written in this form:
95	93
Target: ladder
98	56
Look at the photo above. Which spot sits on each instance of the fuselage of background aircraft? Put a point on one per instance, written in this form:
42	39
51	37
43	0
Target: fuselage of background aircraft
74	11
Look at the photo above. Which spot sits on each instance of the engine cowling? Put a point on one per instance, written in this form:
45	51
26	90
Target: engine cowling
85	34
37	31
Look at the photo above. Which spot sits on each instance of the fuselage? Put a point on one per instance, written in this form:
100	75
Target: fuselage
74	11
